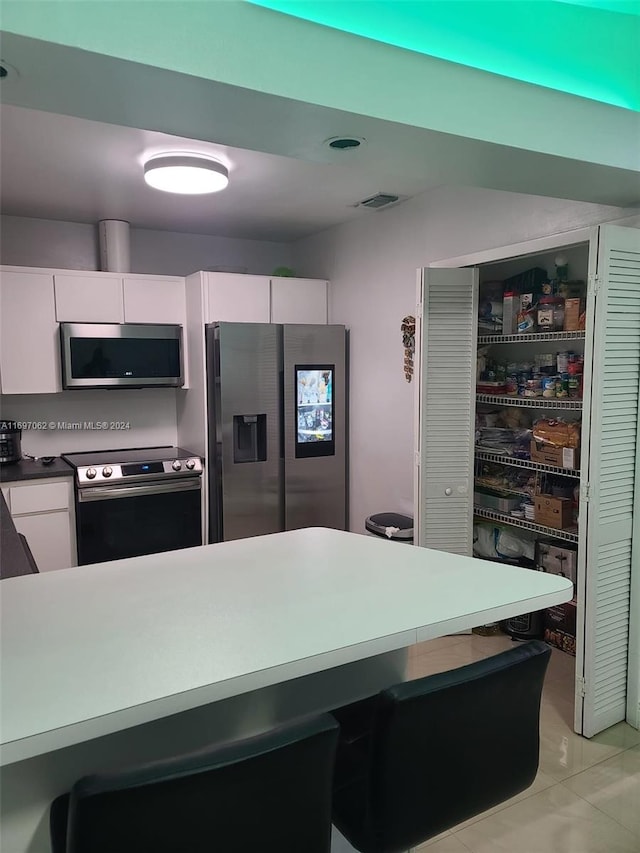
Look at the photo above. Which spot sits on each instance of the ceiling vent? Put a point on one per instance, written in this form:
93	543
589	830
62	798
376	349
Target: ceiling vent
380	200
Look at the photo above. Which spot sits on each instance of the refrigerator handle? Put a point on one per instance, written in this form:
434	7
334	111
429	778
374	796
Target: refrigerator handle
249	438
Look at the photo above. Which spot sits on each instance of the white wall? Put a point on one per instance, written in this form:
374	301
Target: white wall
372	264
74	245
150	412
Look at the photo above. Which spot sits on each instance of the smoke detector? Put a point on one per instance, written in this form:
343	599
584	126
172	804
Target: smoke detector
380	200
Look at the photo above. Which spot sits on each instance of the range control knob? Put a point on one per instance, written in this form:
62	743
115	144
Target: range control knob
107	471
91	473
177	465
191	464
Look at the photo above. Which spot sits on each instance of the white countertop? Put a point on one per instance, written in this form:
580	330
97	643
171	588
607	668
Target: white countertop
95	649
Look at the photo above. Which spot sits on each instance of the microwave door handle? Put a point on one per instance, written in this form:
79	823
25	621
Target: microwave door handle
102	493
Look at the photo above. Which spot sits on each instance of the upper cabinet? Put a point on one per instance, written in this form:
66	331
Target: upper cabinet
298	300
87	298
108	298
154	300
29	342
34	302
236	298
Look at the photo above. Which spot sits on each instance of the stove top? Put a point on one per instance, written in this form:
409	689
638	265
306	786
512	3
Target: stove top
132	464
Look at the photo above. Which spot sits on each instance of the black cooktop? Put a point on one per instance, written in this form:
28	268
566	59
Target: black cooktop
121	457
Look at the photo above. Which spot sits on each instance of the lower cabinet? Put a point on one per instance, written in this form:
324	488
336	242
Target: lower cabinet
43	511
49	537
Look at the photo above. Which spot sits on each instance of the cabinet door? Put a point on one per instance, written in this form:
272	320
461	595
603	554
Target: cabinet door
28	498
50	539
446	362
611	468
89	298
154	300
29	342
237	298
298	300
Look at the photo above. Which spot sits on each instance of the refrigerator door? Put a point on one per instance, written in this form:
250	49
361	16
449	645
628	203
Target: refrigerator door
245	403
315	404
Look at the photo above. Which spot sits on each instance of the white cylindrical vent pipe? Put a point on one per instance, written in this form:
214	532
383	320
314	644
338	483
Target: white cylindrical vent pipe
114	245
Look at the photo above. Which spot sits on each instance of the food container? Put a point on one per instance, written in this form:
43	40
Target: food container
560	626
572	311
510	306
575	387
553	512
546	362
561	457
500	504
562	362
562	386
549	386
526	322
533	388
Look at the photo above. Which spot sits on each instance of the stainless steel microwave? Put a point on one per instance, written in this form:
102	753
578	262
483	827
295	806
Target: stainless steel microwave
121	355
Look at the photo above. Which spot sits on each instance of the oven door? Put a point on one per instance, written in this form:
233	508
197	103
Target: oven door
114	522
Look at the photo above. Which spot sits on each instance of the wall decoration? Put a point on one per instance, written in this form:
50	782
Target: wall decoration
408	329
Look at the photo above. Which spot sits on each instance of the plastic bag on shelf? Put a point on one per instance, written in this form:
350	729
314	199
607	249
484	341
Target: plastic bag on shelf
497	543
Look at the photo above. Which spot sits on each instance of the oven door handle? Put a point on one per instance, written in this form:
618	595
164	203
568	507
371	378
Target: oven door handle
104	493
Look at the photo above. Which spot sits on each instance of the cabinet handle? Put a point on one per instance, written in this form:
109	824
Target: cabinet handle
448	491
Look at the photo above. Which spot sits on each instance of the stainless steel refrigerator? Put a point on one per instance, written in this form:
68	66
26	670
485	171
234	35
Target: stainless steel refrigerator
277	397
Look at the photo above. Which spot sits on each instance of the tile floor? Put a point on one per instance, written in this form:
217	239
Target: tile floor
586	797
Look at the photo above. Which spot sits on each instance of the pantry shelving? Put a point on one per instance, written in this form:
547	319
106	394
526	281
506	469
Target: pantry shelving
537	336
569	535
487	456
530	402
457	350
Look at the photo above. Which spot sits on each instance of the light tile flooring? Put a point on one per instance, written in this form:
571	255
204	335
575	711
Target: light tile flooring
586	797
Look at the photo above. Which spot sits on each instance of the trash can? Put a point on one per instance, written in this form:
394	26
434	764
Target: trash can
391	525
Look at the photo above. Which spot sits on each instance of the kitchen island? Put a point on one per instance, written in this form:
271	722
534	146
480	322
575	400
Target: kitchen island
143	658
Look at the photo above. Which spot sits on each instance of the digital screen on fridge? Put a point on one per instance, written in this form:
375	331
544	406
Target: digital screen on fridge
314	410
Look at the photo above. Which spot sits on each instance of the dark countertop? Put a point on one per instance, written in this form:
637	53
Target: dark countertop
28	469
15	557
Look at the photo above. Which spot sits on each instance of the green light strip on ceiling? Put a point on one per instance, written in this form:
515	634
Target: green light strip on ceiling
589	48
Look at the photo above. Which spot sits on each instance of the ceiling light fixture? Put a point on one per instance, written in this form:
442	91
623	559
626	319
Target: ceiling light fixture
186	174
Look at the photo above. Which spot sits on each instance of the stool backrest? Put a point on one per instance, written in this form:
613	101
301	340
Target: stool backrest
447	747
270	792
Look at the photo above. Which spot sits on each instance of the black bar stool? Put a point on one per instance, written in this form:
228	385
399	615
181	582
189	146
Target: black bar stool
425	755
269	793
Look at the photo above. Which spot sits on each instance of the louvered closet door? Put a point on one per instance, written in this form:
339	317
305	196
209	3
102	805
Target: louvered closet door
447	409
612	409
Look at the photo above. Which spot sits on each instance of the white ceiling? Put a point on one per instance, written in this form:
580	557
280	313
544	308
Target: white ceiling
72	149
60	167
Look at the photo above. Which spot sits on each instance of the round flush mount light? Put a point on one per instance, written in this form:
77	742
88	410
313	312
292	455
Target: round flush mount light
344	143
187	174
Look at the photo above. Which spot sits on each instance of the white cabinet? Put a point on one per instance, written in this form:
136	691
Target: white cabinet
89	298
236	298
43	511
29	342
49	538
298	300
154	300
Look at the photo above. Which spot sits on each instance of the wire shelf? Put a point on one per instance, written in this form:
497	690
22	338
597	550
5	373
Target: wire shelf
487	456
530	402
536	336
492	515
